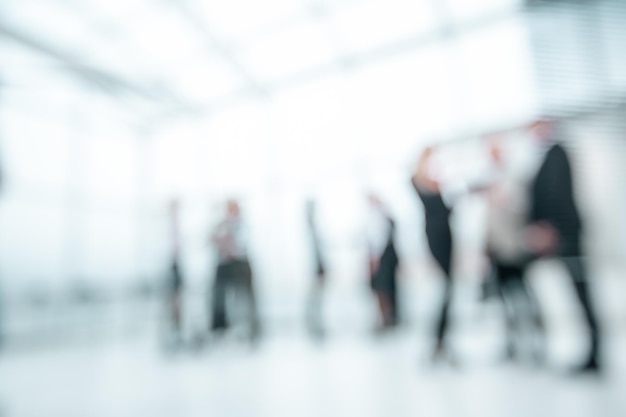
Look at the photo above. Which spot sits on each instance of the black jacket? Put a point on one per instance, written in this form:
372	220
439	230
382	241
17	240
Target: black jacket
552	200
384	278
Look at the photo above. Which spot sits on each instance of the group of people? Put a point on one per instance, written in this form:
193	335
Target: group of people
526	222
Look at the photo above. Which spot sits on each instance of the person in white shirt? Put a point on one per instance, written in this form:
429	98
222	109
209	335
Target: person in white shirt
175	278
233	269
508	205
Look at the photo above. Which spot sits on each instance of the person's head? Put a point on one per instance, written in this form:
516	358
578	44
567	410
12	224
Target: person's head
374	200
495	147
232	208
424	170
543	129
422	162
426	155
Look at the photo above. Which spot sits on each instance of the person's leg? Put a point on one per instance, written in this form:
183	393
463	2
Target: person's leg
176	310
507	286
489	287
576	268
442	348
393	300
314	307
175	300
530	313
218	298
1	323
384	284
245	272
444	312
443	257
384	306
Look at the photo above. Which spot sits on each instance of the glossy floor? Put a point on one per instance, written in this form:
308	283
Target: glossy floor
289	375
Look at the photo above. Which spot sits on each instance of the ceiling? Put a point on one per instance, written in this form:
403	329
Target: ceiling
198	55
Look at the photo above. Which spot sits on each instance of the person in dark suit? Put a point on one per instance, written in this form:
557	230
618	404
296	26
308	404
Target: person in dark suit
556	226
383	262
314	320
439	238
175	279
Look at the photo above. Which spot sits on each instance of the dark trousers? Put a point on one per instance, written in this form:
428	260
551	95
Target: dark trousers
387	296
441	248
175	297
233	276
519	304
443	322
577	270
384	283
314	319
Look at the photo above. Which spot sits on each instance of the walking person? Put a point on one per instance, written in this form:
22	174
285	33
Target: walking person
233	274
174	284
556	227
314	307
439	236
383	262
507	211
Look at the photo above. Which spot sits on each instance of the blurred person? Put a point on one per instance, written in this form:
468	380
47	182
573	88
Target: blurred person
556	226
234	273
439	236
175	279
2	331
383	262
314	304
507	212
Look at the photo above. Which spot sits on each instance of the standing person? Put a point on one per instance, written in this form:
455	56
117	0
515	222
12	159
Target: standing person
175	279
556	226
233	270
507	212
439	237
383	262
314	304
2	334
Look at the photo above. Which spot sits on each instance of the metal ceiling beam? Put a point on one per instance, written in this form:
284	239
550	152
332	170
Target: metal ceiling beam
216	45
440	35
101	79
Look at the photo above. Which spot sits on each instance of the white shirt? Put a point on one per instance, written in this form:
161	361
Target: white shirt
231	238
507	200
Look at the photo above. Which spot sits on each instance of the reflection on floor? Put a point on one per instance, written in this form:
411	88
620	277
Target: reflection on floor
290	375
